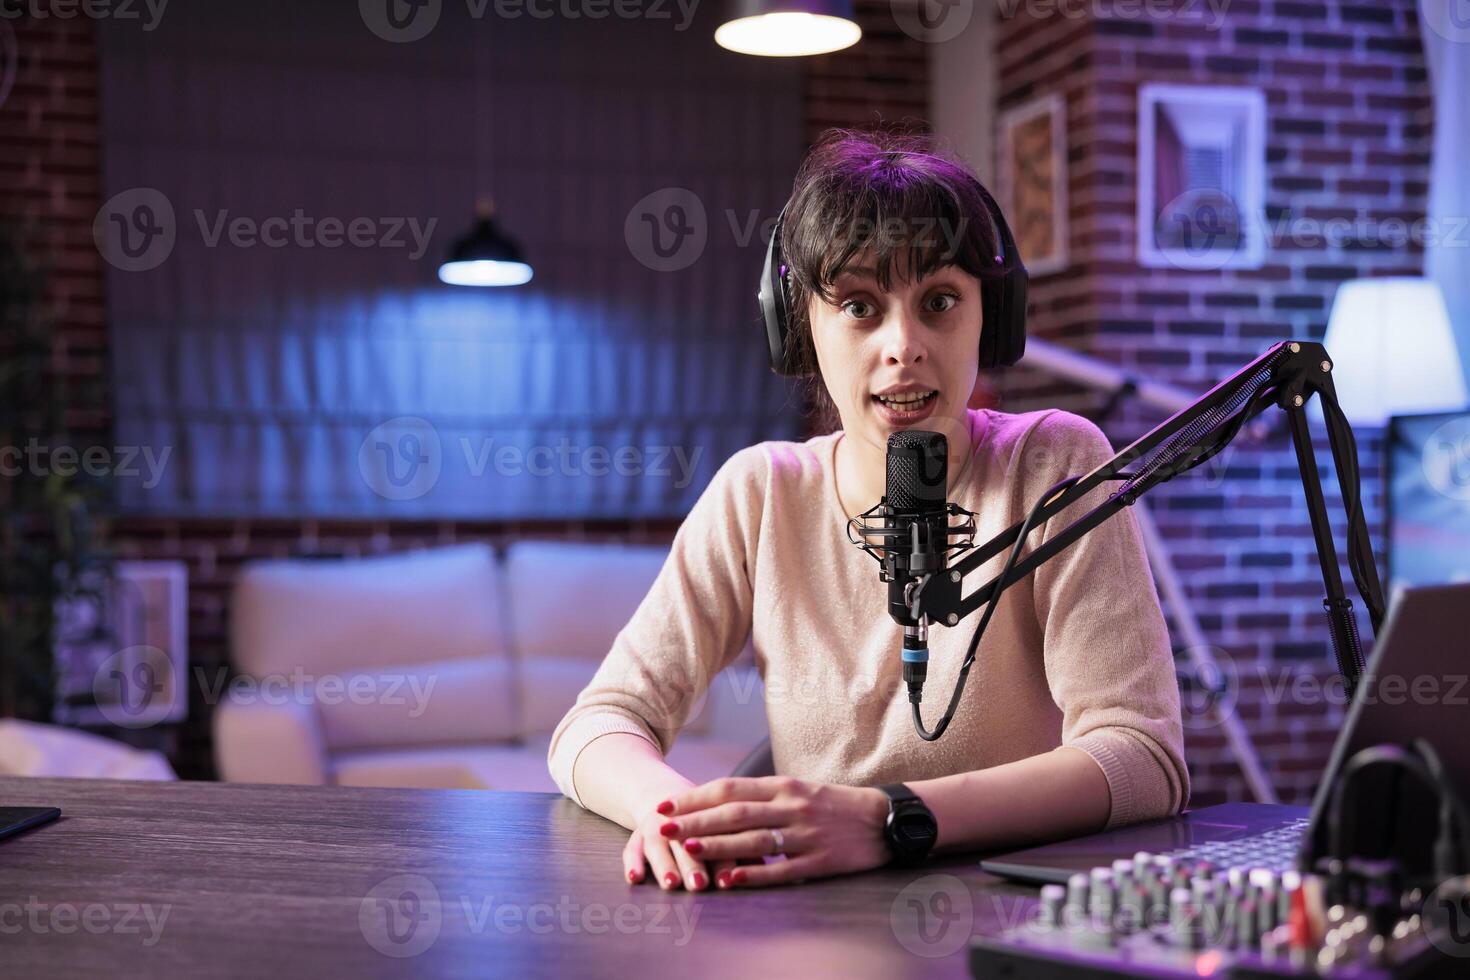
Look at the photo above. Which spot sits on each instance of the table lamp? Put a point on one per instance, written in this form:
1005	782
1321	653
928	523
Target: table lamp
1393	351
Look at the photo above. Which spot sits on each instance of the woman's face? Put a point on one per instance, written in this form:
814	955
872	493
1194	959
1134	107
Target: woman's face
912	339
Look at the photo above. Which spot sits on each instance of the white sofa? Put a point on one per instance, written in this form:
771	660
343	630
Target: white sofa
443	668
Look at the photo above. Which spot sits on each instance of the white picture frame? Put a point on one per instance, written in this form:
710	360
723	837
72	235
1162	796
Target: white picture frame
1203	149
106	651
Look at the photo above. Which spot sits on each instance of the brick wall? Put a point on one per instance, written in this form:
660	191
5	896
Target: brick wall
1348	135
48	195
882	81
49	160
50	186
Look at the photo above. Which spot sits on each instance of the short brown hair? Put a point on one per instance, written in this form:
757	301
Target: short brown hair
889	193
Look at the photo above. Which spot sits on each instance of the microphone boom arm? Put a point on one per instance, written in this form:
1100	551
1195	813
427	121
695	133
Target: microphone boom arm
1287	375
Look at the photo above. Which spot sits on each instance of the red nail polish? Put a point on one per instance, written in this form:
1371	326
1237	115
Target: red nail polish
669	829
723	879
693	847
738	876
670	880
666	807
632	875
699	880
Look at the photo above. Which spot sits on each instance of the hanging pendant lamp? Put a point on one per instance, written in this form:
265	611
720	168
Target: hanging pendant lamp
788	28
485	255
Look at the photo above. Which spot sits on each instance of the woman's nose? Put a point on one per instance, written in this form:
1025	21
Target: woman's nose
903	341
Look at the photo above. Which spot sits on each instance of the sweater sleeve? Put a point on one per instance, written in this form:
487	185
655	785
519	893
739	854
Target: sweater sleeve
693	622
1109	661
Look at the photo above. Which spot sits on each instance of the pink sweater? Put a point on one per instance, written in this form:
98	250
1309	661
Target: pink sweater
1077	654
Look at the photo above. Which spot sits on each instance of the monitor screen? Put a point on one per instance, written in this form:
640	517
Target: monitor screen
1428	499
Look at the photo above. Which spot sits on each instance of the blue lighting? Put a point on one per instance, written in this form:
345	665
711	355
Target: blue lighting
484	272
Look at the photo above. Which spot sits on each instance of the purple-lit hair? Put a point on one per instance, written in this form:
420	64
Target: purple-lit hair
889	200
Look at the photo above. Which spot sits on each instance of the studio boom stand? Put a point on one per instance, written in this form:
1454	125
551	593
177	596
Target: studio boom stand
1287	376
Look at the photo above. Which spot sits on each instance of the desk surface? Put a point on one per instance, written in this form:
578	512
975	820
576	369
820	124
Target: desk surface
206	880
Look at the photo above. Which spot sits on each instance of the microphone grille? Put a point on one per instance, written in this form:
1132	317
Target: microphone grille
918	470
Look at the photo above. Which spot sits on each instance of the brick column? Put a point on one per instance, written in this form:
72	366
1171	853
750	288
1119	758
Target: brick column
1348	136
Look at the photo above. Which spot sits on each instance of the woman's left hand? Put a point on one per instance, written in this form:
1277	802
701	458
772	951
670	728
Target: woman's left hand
823	829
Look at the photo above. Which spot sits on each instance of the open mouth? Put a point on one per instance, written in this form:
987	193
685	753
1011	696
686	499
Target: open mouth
907	404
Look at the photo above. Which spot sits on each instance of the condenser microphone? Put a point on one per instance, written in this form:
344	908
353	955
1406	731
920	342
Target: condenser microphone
915	520
916	536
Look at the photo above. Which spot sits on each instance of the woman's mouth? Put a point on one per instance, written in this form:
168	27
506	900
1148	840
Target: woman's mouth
907	408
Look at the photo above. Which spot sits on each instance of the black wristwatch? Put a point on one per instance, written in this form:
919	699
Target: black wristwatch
911	828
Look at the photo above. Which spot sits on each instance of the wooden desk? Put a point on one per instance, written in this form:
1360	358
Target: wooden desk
209	880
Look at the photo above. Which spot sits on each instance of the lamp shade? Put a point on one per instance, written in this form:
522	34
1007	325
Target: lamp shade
485	256
1393	351
788	28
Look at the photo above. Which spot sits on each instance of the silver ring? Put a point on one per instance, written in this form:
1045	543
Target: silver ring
778	842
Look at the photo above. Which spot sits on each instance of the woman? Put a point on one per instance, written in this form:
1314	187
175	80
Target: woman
1069	723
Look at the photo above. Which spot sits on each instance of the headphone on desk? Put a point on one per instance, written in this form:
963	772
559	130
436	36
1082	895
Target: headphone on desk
1002	299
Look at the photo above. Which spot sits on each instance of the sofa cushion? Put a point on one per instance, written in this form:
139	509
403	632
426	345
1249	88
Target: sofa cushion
507	767
418	704
549	687
572	598
567	603
340	616
502	767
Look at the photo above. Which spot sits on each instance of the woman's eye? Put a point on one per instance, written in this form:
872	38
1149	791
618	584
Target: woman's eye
858	309
942	302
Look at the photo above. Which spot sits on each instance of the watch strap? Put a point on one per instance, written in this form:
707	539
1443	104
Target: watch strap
899	793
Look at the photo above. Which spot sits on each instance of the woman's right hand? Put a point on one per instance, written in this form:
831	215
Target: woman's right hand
672	866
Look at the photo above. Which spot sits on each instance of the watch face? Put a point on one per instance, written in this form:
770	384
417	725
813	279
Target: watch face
911	830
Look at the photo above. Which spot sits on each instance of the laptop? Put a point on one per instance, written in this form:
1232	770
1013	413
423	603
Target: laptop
1415	685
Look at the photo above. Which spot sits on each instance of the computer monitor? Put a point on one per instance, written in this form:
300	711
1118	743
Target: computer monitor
1427	475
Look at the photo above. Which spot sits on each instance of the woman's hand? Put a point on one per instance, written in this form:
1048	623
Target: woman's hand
823	829
670	860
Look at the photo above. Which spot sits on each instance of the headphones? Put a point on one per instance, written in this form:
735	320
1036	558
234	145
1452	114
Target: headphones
1002	300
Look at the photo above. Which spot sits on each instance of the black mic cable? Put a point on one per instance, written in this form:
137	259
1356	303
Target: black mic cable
1231	426
915	669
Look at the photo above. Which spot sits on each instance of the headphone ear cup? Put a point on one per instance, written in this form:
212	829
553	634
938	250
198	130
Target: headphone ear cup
1012	320
1003	332
1019	285
990	327
772	297
1005	314
775	302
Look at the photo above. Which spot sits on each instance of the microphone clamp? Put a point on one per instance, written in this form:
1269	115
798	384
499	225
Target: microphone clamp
872	523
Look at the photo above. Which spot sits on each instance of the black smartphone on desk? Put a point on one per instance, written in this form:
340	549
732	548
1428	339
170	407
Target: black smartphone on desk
14	819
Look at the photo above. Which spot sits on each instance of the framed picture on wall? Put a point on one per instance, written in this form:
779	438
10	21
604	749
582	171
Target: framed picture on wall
1201	176
1031	183
122	650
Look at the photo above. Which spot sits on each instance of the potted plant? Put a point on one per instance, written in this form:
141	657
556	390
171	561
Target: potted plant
51	552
